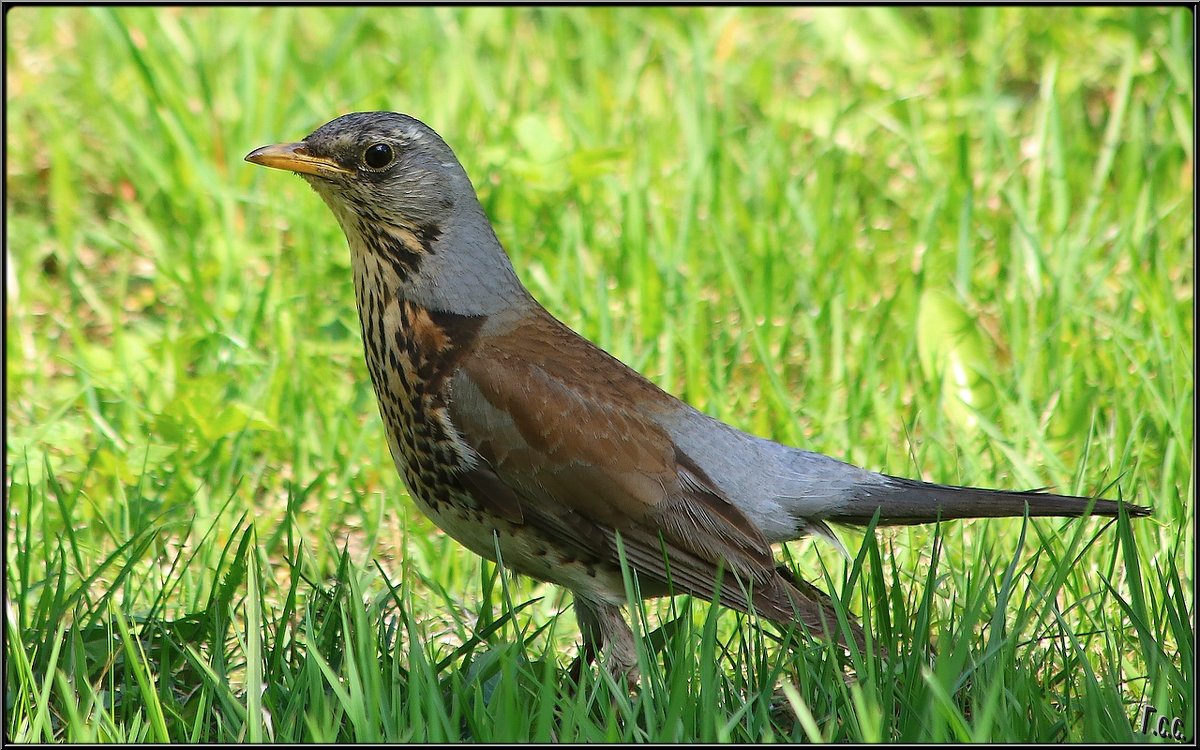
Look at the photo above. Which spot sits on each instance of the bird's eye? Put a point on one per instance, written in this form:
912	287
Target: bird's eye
378	156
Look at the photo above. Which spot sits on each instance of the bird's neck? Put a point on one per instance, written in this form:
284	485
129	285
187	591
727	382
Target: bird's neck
460	268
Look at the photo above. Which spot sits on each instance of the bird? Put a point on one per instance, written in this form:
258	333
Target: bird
527	443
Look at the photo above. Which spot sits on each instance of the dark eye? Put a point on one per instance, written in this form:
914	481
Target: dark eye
378	156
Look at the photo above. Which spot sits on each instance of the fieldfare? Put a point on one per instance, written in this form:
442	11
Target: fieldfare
515	434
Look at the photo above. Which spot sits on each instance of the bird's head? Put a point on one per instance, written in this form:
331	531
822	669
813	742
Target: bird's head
407	207
373	167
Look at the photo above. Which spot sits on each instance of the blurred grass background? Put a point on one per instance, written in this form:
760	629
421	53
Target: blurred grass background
948	243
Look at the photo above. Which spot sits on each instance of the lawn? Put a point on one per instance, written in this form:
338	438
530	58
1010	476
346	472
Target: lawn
955	244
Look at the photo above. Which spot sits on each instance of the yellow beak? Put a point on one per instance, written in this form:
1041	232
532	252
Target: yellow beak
295	157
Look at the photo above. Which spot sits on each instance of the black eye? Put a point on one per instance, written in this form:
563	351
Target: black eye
378	156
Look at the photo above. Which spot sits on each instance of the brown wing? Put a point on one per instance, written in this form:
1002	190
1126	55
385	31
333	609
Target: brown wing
563	425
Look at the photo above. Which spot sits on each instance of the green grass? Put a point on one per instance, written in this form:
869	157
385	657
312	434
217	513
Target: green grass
803	221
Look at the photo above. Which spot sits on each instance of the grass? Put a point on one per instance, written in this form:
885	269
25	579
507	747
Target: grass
948	243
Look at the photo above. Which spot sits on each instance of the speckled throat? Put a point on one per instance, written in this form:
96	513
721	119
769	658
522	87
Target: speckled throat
411	352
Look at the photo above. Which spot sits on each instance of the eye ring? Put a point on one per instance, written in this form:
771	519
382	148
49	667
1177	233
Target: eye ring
378	156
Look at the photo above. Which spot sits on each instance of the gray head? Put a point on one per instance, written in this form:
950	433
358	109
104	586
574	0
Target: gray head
407	207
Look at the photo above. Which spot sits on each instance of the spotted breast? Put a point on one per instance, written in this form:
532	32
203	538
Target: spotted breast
414	355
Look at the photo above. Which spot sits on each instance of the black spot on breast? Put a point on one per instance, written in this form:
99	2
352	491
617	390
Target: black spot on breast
410	361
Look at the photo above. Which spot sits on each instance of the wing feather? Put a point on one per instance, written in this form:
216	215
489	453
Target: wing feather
560	433
556	421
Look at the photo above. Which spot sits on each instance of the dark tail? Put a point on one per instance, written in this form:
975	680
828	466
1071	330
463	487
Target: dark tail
907	501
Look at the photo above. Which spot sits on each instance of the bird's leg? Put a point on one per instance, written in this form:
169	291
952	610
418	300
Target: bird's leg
606	634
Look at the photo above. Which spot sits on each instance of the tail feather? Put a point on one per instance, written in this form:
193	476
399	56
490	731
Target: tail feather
788	599
908	501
